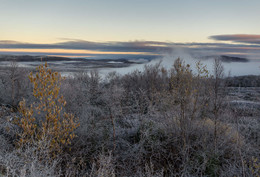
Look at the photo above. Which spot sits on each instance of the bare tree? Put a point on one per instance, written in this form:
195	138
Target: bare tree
217	95
14	84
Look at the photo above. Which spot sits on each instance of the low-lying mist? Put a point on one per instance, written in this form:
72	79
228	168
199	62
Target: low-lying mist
232	68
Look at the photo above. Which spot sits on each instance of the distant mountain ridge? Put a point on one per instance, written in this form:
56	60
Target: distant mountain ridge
25	58
29	58
227	59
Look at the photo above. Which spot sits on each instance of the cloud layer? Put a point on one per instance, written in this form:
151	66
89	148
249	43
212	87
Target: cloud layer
244	45
238	38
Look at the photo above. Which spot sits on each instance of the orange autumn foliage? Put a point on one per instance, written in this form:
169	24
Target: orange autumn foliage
56	127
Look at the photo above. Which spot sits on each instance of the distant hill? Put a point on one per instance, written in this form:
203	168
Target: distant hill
25	58
30	58
226	59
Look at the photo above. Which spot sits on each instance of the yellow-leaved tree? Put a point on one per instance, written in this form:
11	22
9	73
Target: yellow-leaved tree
45	120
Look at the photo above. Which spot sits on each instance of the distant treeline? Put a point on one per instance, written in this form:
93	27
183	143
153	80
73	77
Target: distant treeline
243	81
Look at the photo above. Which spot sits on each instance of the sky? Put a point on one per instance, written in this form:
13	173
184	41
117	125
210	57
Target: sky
134	28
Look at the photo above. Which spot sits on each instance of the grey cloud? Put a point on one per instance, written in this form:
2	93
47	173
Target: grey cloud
136	46
240	38
151	47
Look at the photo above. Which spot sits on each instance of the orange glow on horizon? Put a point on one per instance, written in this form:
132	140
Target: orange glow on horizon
71	56
71	51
